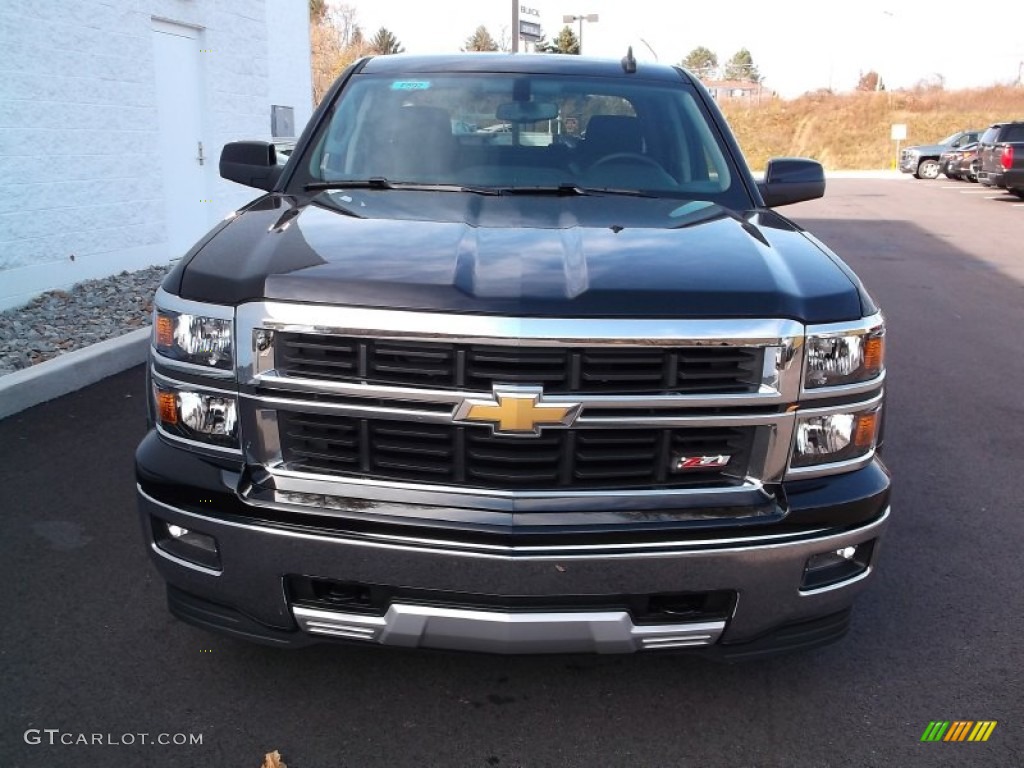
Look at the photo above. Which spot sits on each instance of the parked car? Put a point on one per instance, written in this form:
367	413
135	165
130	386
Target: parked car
428	391
923	161
960	163
1001	155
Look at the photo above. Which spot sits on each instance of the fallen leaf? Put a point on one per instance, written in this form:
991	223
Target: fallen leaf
273	760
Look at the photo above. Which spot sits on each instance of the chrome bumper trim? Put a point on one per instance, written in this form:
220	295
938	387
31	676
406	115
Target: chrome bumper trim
418	626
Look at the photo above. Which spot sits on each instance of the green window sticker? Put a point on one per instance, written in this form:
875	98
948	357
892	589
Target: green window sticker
410	85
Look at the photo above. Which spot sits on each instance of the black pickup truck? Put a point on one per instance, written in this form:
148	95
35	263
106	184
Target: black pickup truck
1001	157
565	385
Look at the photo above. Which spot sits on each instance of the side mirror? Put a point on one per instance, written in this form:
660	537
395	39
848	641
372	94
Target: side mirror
253	163
792	180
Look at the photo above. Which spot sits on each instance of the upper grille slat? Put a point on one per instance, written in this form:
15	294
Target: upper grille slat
560	370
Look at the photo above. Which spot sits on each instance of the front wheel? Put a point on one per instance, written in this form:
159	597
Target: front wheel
928	169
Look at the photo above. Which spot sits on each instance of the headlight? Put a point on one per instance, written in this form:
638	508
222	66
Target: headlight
844	357
206	417
836	437
194	339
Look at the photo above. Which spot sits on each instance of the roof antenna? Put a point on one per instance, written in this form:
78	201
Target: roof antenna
628	62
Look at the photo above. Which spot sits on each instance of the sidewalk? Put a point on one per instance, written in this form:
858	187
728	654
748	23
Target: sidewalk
72	371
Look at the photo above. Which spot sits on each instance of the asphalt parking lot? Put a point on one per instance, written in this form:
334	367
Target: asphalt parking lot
88	647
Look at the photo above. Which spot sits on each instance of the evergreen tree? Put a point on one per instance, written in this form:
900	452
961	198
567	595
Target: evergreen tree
741	67
566	42
385	42
480	40
703	62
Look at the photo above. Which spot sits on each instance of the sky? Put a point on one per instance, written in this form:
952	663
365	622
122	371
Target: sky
798	45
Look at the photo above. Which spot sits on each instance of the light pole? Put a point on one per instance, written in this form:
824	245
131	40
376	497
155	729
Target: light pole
569	19
515	26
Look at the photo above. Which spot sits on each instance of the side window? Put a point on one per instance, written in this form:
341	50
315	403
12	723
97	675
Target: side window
1013	133
989	136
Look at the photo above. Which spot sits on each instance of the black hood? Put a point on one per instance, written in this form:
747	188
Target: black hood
607	256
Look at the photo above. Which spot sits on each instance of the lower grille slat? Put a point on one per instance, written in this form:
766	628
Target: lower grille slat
476	458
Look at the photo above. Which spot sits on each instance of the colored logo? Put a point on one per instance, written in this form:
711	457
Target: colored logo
958	730
685	463
517	411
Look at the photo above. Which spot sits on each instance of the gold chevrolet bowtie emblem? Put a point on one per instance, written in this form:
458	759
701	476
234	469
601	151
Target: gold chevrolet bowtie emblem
517	411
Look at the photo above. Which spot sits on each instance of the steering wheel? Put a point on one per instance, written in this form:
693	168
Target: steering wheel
633	157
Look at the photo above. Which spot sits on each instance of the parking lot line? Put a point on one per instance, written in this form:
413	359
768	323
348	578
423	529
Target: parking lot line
974	191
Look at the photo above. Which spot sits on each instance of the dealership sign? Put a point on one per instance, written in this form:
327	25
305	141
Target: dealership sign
529	30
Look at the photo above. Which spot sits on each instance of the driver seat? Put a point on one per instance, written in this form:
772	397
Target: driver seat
610	135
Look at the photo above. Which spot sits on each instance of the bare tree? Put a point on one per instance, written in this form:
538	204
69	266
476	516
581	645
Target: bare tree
868	81
336	40
504	39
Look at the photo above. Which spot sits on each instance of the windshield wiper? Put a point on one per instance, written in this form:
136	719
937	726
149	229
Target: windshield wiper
562	190
571	190
379	182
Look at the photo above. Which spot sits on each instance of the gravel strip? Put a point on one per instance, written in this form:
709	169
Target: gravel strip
61	321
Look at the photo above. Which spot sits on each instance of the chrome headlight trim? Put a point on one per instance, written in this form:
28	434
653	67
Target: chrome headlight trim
872	326
168	305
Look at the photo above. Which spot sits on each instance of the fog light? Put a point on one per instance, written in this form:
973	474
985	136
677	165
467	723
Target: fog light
837	566
186	544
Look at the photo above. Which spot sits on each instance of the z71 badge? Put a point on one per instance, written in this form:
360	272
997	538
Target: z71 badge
686	463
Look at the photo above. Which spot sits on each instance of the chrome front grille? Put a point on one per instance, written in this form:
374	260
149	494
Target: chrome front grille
361	403
621	369
474	457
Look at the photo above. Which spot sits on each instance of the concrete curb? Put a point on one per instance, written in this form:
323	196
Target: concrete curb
891	175
68	373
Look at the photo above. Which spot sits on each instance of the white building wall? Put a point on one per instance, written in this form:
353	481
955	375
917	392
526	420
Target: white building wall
79	126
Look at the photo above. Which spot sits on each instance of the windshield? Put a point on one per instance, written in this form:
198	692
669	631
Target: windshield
515	132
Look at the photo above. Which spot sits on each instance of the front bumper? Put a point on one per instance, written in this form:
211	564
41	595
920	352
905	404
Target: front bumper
908	163
523	596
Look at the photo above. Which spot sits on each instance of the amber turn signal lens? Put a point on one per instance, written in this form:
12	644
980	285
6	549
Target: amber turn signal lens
874	353
867	424
167	404
164	331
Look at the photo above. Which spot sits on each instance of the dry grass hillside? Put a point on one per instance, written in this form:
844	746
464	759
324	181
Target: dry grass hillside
850	131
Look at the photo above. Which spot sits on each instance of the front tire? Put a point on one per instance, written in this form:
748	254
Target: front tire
927	169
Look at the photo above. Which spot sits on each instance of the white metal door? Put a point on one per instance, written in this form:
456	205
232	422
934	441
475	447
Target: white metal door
182	159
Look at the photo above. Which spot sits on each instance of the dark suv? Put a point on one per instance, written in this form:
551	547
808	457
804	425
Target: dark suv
564	384
1001	157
